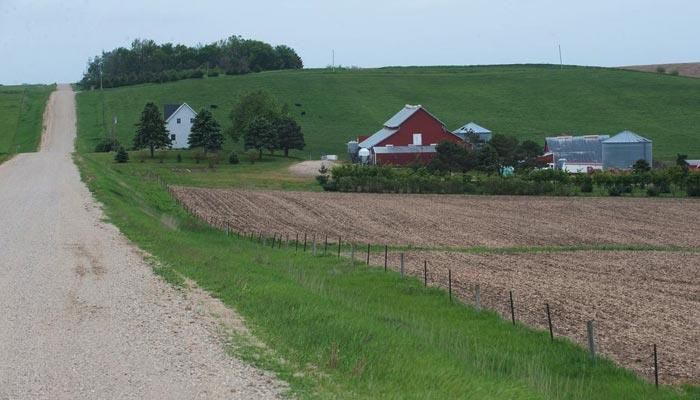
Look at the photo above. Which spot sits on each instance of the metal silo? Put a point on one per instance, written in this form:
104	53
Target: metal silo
624	149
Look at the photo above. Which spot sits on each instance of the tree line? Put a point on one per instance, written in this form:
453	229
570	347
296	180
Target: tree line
146	61
258	118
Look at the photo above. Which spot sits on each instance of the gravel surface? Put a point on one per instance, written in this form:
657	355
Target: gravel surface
444	220
309	169
82	316
636	298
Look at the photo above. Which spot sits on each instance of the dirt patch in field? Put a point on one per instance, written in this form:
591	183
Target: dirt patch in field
636	298
309	169
456	221
684	69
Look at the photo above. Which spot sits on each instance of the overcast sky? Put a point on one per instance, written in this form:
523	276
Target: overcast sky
51	40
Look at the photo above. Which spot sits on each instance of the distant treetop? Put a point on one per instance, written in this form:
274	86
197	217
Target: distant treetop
147	61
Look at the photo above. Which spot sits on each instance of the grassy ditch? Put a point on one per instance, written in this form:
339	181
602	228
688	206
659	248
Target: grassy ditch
339	331
21	111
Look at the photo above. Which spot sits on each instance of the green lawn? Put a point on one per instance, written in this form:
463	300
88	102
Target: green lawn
21	112
527	101
334	330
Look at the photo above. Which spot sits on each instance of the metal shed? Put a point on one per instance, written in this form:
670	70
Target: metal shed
624	149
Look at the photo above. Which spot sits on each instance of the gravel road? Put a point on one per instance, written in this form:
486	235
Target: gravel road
81	314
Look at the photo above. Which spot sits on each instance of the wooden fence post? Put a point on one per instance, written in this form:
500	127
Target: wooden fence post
352	253
656	368
512	308
591	340
386	255
367	253
449	283
401	265
325	245
339	241
477	298
425	273
314	245
304	242
549	322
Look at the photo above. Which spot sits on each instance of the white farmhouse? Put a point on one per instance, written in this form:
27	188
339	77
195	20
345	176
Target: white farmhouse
178	120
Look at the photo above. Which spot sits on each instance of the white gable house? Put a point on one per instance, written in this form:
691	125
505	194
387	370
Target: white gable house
178	121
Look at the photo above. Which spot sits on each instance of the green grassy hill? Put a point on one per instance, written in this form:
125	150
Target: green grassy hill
21	112
526	101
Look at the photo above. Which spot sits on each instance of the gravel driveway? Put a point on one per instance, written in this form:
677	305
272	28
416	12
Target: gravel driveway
81	314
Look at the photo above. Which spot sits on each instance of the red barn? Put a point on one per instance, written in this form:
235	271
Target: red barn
409	136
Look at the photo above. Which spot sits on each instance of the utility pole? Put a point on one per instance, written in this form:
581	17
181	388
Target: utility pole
102	92
561	62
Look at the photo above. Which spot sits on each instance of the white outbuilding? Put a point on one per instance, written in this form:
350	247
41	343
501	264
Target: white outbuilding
179	119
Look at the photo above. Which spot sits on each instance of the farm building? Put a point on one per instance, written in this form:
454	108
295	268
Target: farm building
624	149
409	136
178	121
472	127
693	164
576	154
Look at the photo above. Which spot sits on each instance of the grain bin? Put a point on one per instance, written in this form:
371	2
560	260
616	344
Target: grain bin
624	149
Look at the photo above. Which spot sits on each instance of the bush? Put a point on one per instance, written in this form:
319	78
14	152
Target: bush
122	156
252	155
615	190
107	145
674	72
213	74
653	191
587	186
179	157
661	69
233	158
197	74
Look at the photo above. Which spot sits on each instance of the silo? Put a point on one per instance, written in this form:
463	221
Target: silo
624	149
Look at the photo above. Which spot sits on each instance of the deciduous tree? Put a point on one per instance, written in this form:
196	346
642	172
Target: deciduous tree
289	135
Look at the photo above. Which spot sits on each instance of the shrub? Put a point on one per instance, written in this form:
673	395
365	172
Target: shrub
653	191
197	74
252	155
213	74
661	69
674	72
107	145
615	190
179	157
233	158
587	186
122	156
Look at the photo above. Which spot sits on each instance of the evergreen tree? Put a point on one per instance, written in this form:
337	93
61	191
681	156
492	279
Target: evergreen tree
150	131
122	156
206	132
260	135
289	135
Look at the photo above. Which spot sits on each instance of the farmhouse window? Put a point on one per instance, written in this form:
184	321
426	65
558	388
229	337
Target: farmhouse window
172	137
191	120
178	120
417	139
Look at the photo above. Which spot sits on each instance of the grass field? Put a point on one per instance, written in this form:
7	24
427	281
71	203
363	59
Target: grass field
526	101
21	111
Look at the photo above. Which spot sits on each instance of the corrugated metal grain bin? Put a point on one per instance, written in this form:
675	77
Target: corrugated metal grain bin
624	149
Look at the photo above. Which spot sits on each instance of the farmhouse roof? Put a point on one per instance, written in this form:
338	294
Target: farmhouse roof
377	137
473	127
171	109
627	137
577	149
400	117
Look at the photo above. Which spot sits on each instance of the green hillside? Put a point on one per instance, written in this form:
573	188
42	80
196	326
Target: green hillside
526	101
21	112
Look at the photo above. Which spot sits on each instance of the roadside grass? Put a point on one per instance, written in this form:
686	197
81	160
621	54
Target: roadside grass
528	101
336	330
21	116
